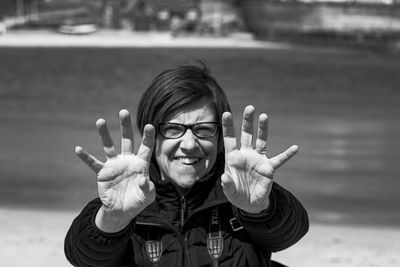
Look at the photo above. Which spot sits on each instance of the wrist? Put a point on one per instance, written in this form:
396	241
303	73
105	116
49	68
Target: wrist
256	212
111	222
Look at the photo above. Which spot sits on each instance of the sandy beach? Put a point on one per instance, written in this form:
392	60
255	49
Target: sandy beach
35	238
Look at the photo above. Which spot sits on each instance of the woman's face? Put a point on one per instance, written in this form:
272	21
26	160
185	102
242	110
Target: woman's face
187	159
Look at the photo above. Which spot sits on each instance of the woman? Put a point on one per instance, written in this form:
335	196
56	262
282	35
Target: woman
192	195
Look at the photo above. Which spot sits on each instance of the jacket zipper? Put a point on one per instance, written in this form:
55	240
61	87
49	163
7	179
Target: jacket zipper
183	233
182	211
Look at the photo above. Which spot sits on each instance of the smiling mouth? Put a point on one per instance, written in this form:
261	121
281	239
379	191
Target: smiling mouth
187	160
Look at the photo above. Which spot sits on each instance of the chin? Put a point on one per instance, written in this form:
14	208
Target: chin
187	183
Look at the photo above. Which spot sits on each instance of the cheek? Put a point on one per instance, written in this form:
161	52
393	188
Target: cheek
163	150
211	150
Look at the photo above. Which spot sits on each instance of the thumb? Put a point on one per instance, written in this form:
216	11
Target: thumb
145	184
228	185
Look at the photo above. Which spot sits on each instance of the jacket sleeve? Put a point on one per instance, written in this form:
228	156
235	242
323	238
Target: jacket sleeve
86	245
283	224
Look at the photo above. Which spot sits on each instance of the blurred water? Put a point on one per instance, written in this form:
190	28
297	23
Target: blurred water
340	106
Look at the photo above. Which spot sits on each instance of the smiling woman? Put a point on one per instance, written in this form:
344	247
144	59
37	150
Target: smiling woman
188	158
193	195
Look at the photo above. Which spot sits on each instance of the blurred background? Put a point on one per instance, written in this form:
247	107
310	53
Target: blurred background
326	72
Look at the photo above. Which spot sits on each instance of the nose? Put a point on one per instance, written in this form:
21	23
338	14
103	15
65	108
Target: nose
188	141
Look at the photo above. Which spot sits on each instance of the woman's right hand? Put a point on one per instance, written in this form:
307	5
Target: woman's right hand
123	181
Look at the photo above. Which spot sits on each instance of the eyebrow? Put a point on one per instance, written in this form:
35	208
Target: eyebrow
188	124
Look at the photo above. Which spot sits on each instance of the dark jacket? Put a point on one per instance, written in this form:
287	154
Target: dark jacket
182	222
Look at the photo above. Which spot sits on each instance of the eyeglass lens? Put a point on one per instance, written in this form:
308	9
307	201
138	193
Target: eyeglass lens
176	130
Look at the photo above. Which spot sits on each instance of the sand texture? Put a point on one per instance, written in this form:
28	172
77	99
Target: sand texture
35	238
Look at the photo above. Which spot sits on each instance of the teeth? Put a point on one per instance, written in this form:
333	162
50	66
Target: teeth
186	160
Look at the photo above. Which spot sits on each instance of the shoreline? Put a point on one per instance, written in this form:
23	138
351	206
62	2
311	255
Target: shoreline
121	39
36	238
44	38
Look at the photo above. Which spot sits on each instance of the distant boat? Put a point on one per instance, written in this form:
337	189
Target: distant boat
78	29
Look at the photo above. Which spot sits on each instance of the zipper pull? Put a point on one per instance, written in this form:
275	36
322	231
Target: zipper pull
183	210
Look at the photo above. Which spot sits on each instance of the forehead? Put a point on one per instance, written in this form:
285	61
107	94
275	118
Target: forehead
198	111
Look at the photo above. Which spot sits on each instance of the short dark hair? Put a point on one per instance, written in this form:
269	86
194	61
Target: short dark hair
176	87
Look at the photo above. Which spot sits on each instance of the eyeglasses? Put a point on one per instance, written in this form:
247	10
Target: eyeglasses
172	130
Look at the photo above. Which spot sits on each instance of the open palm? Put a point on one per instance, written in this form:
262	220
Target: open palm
248	176
124	185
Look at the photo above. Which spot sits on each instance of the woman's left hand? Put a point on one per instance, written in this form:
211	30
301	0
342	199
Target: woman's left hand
248	176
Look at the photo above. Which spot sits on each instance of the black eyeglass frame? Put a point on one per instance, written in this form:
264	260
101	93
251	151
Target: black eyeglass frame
189	126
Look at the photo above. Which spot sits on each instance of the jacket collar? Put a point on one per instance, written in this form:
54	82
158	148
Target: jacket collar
204	194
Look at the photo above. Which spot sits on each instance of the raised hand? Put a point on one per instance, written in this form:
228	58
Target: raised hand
248	176
123	181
